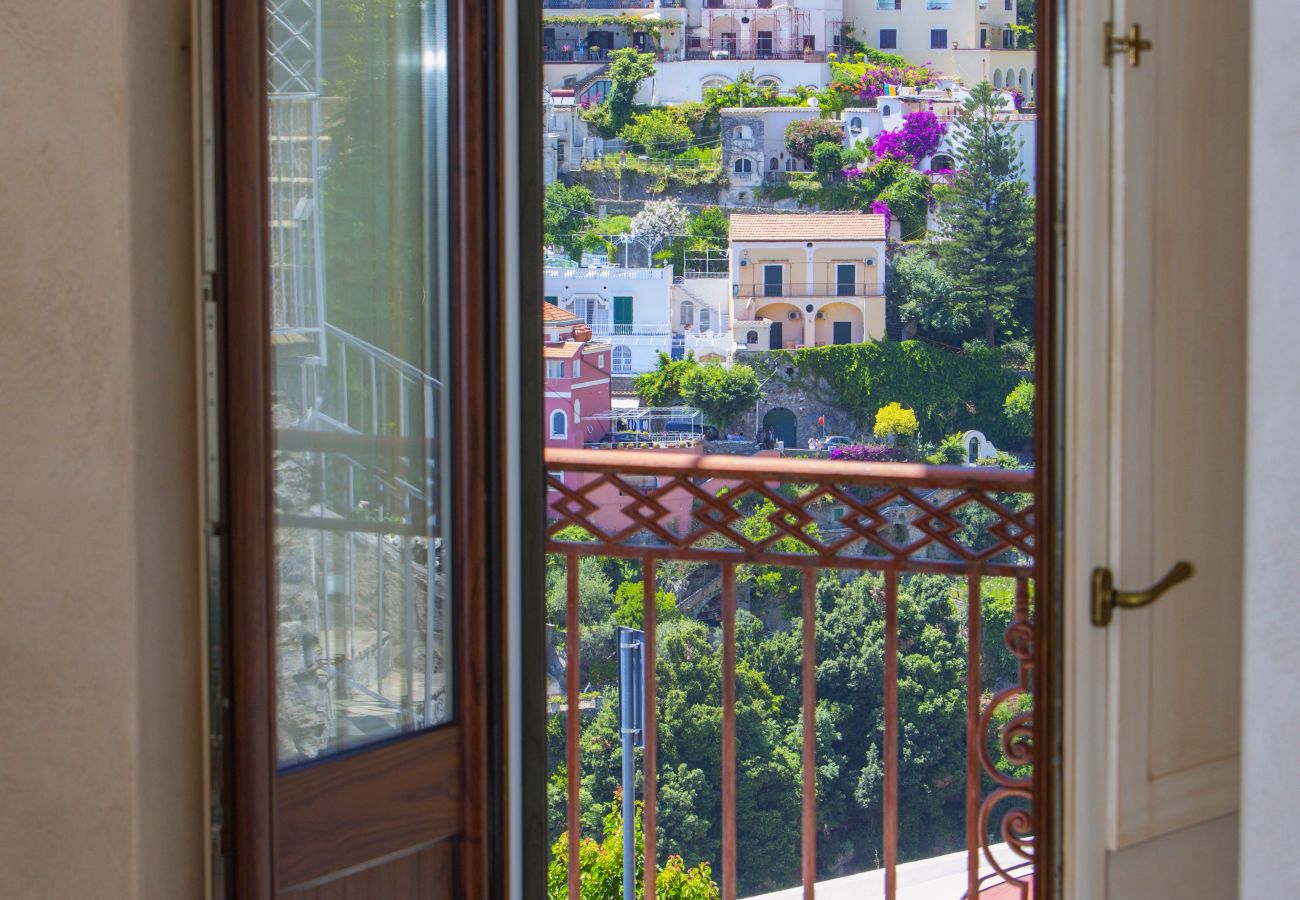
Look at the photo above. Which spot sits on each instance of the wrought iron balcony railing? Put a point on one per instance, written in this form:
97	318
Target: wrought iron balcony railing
817	289
892	521
753	49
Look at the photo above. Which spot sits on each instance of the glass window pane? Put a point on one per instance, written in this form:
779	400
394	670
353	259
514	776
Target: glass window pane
357	100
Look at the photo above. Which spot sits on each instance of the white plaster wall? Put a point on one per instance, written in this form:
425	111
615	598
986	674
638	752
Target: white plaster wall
1270	790
649	290
100	753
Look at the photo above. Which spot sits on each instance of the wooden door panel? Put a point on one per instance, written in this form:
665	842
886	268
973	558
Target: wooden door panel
1178	423
393	798
425	874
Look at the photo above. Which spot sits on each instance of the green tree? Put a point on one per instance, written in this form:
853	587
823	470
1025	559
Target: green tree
629	605
803	135
828	161
566	216
951	452
627	69
659	132
721	392
664	384
1027	24
1018	410
988	220
922	293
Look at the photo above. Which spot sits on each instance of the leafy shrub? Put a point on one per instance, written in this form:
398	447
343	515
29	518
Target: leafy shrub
1018	410
893	420
803	135
951	452
1002	460
828	161
659	132
601	866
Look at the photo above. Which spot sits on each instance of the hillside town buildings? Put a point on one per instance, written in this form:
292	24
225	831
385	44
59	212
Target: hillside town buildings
708	43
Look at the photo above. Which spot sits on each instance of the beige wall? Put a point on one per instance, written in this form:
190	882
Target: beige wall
100	749
1270	789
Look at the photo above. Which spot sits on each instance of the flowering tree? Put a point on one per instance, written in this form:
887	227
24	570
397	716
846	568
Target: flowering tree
895	421
659	221
803	135
917	139
881	208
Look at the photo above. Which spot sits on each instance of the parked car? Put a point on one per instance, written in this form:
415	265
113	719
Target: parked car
625	437
837	440
682	426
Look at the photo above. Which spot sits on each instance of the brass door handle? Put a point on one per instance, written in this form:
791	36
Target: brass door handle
1132	43
1105	599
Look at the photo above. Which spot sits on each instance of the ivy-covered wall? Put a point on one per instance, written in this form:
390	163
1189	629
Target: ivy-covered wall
848	383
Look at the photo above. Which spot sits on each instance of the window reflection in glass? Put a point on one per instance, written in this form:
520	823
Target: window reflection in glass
356	100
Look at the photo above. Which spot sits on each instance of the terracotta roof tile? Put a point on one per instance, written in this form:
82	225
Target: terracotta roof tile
807	227
553	315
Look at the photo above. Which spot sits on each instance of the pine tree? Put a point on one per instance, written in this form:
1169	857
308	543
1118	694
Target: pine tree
989	222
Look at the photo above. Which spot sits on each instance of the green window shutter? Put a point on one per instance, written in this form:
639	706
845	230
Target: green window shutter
623	315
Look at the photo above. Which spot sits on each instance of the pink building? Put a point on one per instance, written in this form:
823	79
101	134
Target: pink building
577	379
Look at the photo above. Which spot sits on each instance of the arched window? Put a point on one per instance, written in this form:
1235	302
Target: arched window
706	319
622	360
1023	79
940	162
751	337
712	84
686	313
744	167
997	78
1011	78
742	133
855	124
577	410
790	164
973	451
774	165
887	110
767	84
559	424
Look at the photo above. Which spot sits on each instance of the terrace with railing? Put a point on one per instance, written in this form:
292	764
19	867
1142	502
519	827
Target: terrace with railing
813	289
825	528
762	48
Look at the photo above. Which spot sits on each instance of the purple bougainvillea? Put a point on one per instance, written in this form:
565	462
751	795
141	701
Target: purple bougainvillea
867	453
918	138
1018	98
881	208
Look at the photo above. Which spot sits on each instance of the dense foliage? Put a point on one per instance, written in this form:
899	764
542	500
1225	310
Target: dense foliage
660	132
566	214
802	136
720	392
628	67
601	866
849	728
988	220
1018	409
947	391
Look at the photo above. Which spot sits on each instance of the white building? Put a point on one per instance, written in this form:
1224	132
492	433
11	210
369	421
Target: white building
629	308
807	279
700	43
861	123
753	148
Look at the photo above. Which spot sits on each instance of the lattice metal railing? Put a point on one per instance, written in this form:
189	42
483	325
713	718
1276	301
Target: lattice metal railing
893	519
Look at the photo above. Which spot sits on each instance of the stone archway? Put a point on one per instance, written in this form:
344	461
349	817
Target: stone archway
783	424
